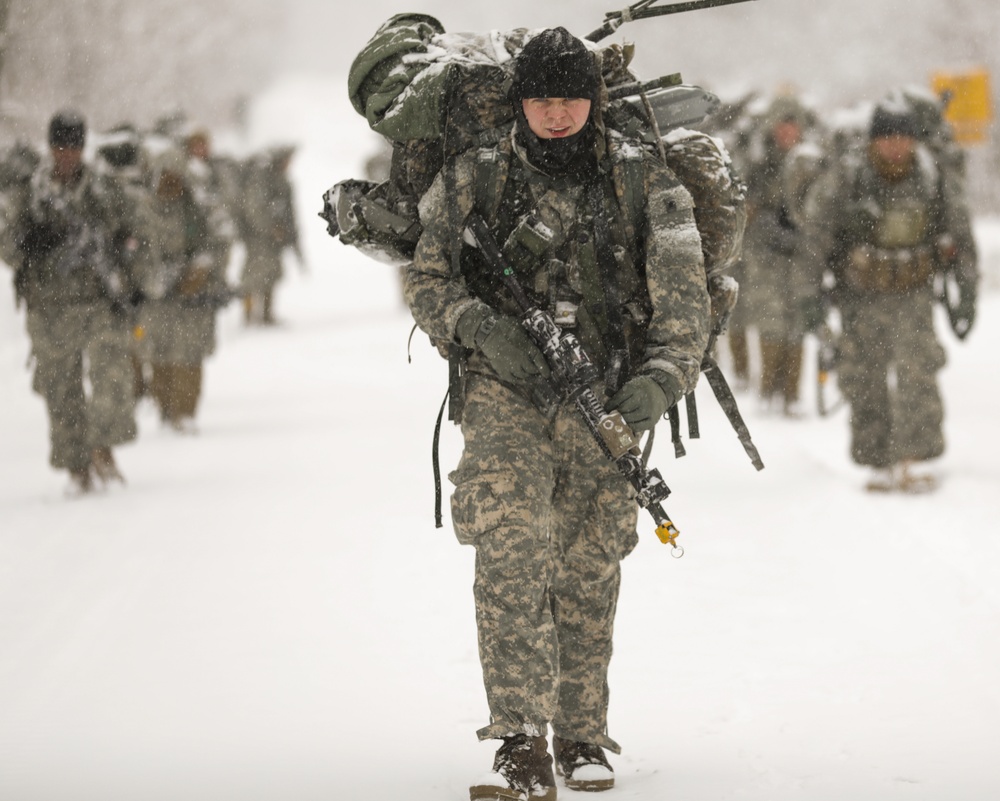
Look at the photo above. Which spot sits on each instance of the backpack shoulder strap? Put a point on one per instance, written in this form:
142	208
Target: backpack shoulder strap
491	170
628	160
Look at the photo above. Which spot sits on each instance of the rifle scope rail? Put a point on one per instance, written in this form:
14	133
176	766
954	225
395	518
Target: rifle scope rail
646	9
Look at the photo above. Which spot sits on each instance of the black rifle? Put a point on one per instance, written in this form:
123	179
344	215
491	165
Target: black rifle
644	9
826	361
573	373
949	293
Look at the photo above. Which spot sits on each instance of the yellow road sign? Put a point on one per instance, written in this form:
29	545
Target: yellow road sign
970	107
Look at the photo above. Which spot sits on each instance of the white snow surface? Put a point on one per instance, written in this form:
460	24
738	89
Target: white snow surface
266	611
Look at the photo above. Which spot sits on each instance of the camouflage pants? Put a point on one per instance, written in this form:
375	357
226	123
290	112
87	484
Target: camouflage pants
262	269
550	518
780	369
176	332
774	289
888	360
75	346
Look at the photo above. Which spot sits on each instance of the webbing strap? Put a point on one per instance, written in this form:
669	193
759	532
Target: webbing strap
674	415
436	460
608	267
724	395
691	407
647	450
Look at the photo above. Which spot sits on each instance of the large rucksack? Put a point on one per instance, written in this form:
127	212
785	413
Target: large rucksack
434	95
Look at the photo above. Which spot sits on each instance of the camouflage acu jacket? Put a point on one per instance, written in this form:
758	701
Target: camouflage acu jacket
268	213
546	228
70	238
853	206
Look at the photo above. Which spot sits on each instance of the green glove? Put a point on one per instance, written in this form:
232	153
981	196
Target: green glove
965	315
644	399
506	345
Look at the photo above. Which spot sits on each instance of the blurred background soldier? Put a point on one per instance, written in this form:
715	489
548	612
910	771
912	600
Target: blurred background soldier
732	123
777	279
886	224
119	154
216	183
269	228
183	278
72	233
17	164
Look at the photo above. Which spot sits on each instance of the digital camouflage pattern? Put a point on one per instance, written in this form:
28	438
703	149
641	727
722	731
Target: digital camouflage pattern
549	515
17	164
883	334
76	342
69	237
550	518
182	269
703	166
666	312
71	276
268	221
779	274
884	240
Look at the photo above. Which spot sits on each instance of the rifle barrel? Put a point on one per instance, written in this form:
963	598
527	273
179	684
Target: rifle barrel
645	10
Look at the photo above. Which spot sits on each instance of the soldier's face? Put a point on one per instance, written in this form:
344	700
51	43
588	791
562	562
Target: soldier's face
170	186
66	161
896	149
198	147
556	117
787	135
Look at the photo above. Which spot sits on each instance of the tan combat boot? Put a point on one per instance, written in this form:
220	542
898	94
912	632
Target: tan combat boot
80	482
522	771
883	479
582	766
915	483
267	315
103	463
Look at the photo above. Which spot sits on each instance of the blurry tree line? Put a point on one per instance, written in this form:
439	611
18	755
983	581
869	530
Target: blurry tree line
137	59
122	60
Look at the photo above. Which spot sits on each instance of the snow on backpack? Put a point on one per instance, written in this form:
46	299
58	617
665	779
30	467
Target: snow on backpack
433	95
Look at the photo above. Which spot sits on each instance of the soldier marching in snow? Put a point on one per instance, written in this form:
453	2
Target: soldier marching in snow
216	182
887	222
17	164
268	229
778	275
73	233
548	514
120	155
183	270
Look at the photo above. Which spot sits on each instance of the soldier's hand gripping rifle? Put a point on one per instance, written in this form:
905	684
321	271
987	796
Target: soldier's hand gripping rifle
572	374
645	9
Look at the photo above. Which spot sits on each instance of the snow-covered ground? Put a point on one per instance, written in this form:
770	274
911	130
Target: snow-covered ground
266	612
